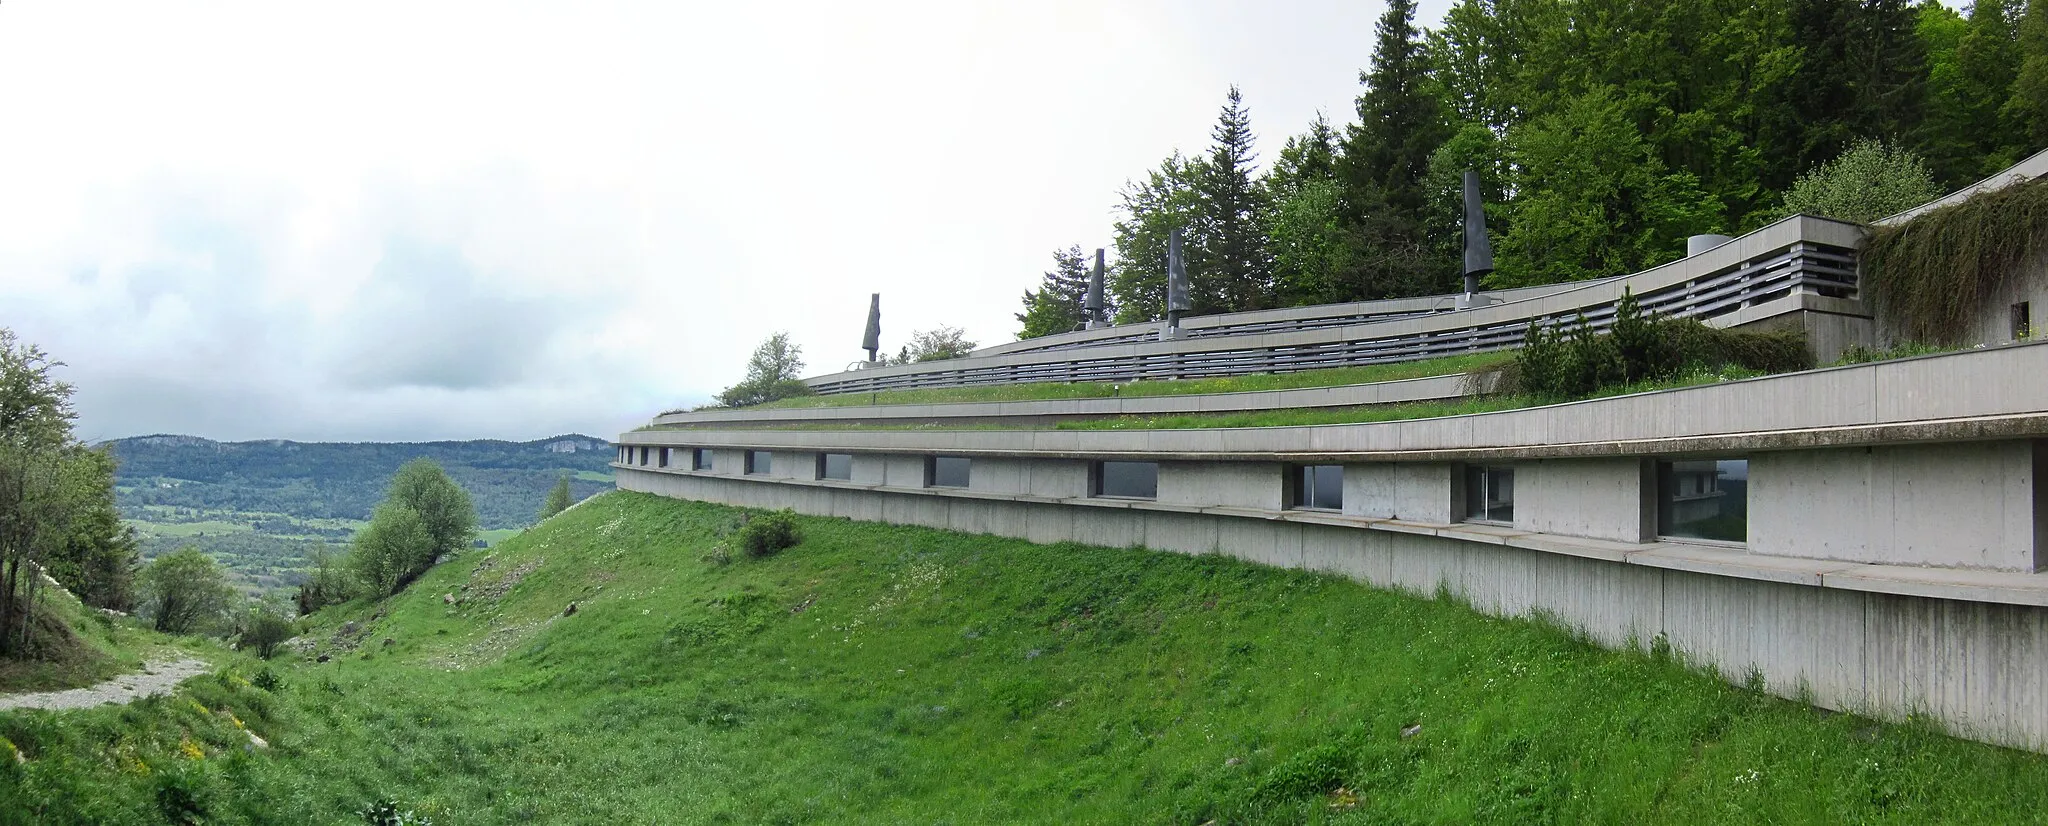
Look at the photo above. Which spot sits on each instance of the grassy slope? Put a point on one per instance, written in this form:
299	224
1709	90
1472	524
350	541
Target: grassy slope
881	674
1363	374
96	648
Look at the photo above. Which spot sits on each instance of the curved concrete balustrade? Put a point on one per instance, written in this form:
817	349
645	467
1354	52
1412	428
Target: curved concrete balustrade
1428	388
1800	264
1976	394
2033	167
1266	321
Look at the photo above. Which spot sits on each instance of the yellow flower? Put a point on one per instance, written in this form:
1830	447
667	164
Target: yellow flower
191	750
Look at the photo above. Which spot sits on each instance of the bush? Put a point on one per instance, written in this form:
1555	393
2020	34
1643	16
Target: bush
262	629
768	534
1572	361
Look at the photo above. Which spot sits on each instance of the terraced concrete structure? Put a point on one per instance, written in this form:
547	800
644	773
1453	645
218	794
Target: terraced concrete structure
1870	538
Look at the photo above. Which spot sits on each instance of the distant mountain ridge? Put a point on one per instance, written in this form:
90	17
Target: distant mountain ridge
344	480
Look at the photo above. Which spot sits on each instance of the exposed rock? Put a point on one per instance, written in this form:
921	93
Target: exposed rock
1234	761
571	611
323	658
1411	731
447	599
350	627
256	742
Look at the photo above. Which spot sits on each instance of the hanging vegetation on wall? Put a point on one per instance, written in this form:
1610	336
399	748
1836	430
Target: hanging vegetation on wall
1926	278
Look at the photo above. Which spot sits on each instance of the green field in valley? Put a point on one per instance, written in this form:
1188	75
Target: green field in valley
884	674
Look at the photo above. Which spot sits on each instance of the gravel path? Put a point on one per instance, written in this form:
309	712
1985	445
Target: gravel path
154	678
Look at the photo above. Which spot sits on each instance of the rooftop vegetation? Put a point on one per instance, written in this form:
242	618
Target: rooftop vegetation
1927	277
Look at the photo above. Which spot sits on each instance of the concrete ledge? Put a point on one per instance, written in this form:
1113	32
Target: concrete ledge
1993	587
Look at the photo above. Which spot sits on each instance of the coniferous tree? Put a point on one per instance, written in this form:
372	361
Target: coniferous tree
1055	307
1964	140
1231	270
1386	156
1862	74
559	498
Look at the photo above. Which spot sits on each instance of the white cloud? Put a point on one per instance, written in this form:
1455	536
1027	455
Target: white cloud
450	220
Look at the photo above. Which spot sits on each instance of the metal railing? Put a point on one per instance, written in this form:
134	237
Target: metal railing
1689	288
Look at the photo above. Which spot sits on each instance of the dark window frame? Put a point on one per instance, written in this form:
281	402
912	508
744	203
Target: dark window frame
662	459
700	458
760	462
1671	490
934	477
1304	485
1479	482
2023	321
1098	476
825	466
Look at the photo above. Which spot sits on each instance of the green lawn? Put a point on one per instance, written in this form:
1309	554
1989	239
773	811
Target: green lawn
1097	390
882	674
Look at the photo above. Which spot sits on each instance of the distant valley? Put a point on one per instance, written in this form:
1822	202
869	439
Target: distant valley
262	507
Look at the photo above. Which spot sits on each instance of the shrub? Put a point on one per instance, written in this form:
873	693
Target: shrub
267	680
1572	361
262	629
768	534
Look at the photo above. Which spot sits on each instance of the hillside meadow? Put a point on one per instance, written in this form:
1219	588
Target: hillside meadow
883	674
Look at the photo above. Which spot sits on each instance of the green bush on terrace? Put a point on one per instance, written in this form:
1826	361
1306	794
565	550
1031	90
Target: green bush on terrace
1569	362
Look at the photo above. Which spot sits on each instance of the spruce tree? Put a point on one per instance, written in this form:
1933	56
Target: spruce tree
2025	113
1055	307
1385	159
1231	270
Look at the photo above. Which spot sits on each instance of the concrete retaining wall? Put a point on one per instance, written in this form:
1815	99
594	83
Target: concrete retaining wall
1980	668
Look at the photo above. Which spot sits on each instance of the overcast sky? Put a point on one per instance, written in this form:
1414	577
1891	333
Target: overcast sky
400	221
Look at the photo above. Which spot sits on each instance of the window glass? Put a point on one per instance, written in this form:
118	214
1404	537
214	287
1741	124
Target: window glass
1490	493
948	471
1704	499
701	459
835	466
1318	486
758	461
664	457
643	456
1137	480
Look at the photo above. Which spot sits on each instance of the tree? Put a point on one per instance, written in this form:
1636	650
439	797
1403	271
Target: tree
559	498
394	544
186	591
98	559
1168	198
1386	156
2025	112
1862	70
1055	307
1231	270
1594	200
773	373
935	345
263	627
1868	181
331	582
1971	66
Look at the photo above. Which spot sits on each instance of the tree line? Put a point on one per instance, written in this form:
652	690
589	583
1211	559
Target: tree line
1603	131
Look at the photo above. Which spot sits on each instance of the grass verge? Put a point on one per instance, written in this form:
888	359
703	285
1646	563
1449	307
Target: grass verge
884	674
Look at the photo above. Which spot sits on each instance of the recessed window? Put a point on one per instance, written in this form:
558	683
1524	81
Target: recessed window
643	457
664	457
1490	493
758	461
1703	499
700	459
1316	487
1132	480
625	455
946	471
2022	321
835	466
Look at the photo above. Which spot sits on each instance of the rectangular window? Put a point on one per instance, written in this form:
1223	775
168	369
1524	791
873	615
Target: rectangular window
643	457
664	457
1703	499
835	466
700	459
2022	321
759	461
1132	480
946	472
625	454
1490	493
1316	487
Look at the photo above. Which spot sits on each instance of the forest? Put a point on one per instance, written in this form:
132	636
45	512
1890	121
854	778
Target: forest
1604	132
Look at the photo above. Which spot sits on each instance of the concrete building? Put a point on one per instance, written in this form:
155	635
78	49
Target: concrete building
1873	538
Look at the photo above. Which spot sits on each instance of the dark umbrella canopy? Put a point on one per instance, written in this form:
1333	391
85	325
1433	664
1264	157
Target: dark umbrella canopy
1478	251
872	340
1093	305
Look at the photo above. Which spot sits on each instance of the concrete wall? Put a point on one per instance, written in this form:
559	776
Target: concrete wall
1979	668
1967	505
1227	484
1599	498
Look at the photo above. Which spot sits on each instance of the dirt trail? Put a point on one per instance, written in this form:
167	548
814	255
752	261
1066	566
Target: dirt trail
155	678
